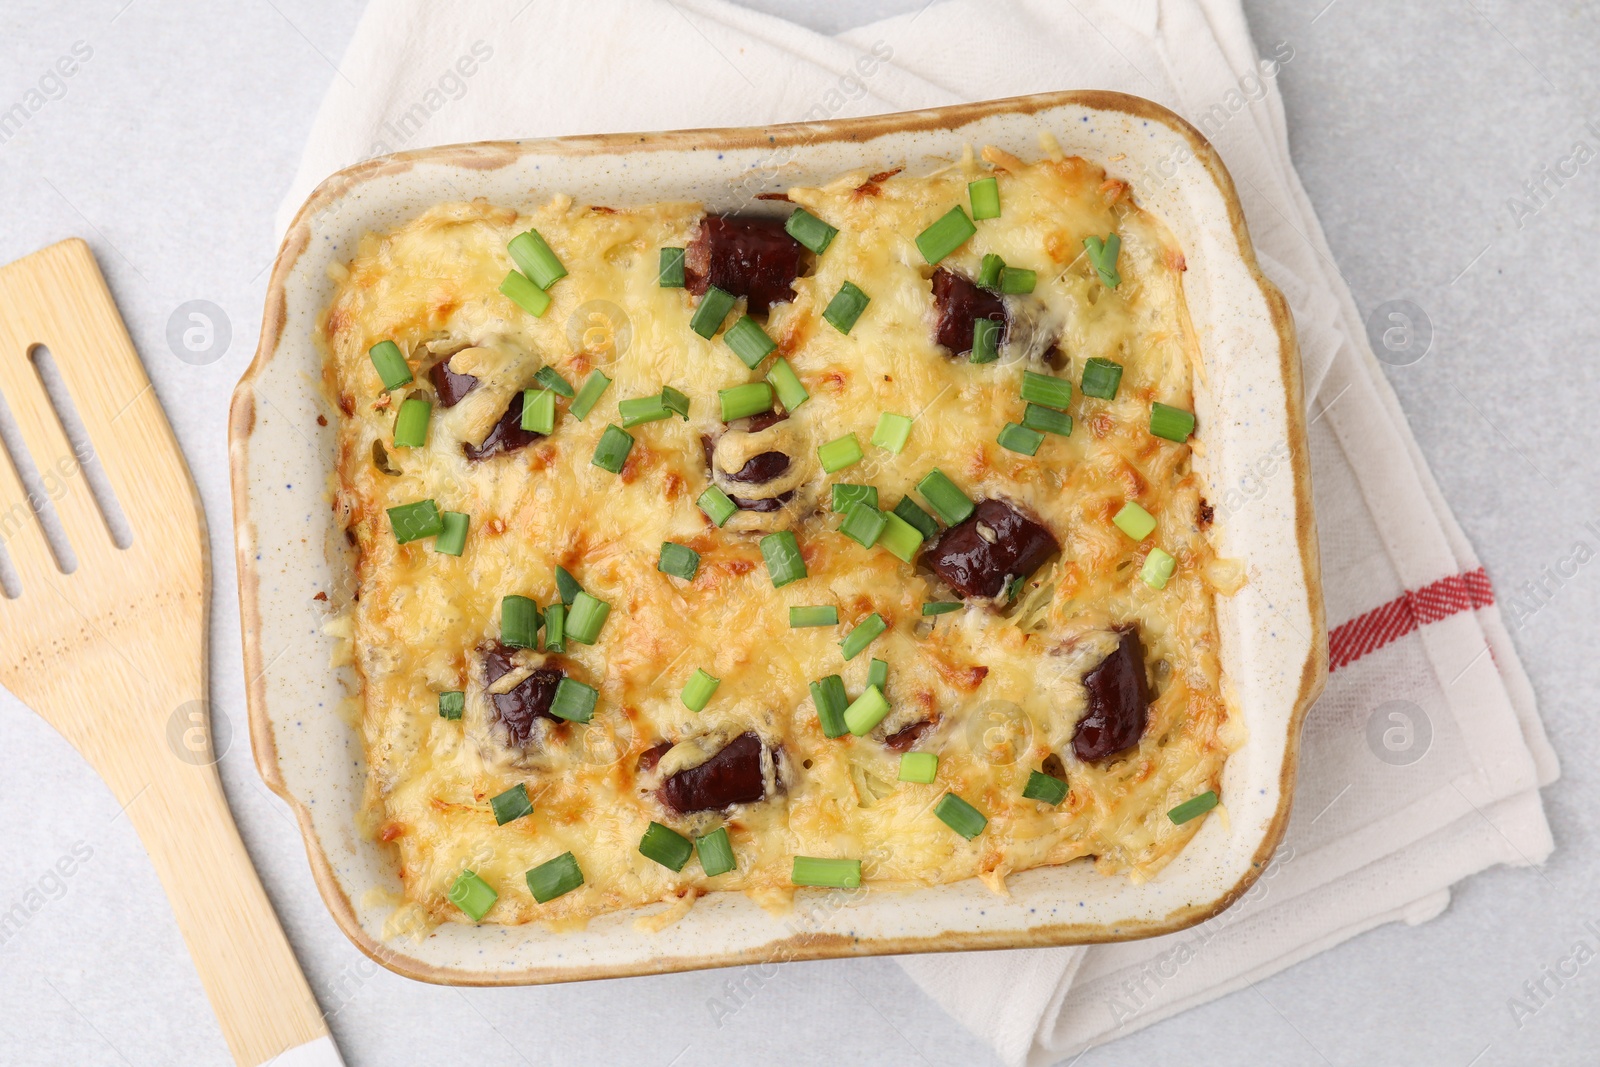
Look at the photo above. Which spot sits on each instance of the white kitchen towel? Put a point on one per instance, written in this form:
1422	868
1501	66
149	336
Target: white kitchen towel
1422	761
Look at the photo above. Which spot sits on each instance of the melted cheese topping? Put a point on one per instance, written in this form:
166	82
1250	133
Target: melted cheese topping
1004	684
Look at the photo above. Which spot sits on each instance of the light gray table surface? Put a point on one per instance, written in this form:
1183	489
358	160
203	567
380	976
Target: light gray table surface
1414	126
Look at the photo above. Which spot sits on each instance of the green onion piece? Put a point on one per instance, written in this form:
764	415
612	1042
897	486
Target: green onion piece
829	697
714	307
941	607
914	516
513	804
472	895
751	398
697	692
919	767
523	293
813	615
670	272
1046	389
1103	257
1175	424
642	409
539	410
612	451
985	341
519	622
452	539
415	520
553	381
1100	378
390	364
715	503
1019	438
946	500
567	586
1135	521
810	231
666	846
588	394
749	342
867	711
588	615
946	235
1045	787
826	874
786	383
675	401
555	628
893	432
846	307
537	261
1193	807
574	701
878	674
1014	280
1035	417
985	196
716	852
680	561
865	632
960	816
845	494
784	563
452	705
989	272
900	537
1158	567
556	878
411	423
863	523
839	453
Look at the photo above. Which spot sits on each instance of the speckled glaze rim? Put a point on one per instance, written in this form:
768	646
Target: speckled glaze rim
799	946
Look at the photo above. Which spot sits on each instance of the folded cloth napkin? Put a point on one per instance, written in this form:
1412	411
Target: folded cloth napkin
1422	760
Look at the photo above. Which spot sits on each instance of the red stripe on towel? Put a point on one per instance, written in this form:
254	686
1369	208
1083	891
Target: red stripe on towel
1351	640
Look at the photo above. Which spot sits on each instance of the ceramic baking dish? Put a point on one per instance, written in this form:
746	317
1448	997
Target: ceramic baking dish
1249	404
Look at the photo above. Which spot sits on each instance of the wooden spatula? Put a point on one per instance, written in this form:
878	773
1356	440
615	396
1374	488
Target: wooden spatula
114	654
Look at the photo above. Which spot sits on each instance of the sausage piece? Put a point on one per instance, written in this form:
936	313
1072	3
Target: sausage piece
450	386
994	544
1119	702
732	776
507	435
531	699
750	257
960	303
902	739
760	468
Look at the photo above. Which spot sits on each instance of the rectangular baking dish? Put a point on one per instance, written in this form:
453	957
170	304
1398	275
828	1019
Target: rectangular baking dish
1249	404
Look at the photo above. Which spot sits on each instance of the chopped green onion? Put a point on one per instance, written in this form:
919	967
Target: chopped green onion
552	380
1135	521
846	307
555	628
919	767
863	523
539	410
900	537
716	852
666	846
829	697
567	586
751	398
960	816
893	432
536	259
878	674
1175	424
946	235
415	520
390	364
839	453
1015	280
1035	417
867	711
612	451
680	561
784	562
411	423
452	539
1193	807
452	705
786	383
826	874
675	401
1045	787
1046	389
519	622
845	494
574	701
985	196
749	342
556	878
523	293
588	615
1103	256
1158	567
941	607
714	307
1018	438
813	615
698	690
985	340
1100	378
915	517
810	231
989	271
715	503
642	409
513	804
472	895
669	273
588	394
946	500
865	632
